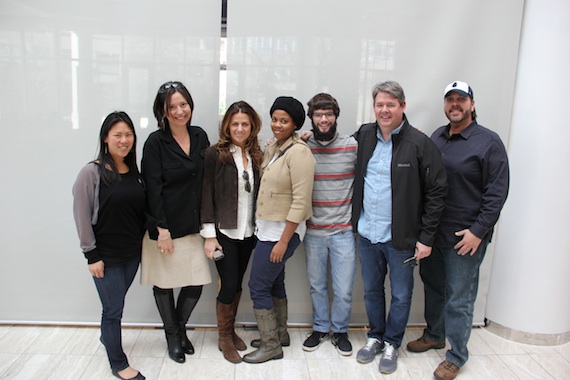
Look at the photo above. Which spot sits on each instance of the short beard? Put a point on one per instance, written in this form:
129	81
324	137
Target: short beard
324	136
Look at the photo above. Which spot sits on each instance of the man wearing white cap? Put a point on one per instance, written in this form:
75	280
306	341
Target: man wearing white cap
478	176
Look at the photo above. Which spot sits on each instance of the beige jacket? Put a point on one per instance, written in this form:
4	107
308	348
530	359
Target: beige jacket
287	184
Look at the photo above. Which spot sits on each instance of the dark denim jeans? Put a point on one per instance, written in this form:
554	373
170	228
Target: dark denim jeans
112	289
450	285
267	279
375	260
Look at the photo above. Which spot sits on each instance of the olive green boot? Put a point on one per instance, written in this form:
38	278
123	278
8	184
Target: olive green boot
270	348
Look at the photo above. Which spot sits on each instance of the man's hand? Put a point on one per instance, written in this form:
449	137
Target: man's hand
422	251
469	243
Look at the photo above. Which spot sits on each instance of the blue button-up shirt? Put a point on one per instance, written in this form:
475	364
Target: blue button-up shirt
375	223
478	176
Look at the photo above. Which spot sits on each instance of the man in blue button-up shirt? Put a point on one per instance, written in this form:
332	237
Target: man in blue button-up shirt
399	191
478	174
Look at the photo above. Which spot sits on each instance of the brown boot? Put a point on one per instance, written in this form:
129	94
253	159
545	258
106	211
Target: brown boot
270	348
225	327
238	342
446	371
281	311
423	344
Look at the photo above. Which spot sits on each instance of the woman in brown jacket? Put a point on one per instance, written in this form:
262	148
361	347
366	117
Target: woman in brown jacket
229	192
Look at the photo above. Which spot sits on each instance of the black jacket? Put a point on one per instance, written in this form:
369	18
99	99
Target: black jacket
174	181
419	184
220	191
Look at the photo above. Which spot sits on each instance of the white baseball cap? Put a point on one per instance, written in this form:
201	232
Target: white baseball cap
459	87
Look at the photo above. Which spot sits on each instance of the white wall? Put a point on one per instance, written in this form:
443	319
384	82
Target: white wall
65	65
530	282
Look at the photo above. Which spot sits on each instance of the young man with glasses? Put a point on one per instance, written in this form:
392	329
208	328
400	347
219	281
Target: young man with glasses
329	231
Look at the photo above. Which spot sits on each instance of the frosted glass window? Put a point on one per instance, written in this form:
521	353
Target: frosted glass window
300	48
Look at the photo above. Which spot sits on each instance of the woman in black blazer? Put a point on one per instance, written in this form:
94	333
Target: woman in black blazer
173	250
229	194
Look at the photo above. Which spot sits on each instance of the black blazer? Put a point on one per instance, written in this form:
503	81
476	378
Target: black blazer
174	181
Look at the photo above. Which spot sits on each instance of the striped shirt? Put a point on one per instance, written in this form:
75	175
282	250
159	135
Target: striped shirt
332	190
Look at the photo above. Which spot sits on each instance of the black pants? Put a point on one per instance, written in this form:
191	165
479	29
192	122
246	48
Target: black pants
233	266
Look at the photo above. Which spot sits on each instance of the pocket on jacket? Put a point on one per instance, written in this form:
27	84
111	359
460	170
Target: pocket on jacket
279	194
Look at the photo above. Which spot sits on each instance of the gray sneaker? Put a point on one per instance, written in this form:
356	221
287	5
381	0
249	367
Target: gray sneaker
367	353
389	359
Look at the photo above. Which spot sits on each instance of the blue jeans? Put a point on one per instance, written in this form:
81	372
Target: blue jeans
375	260
112	289
450	285
341	249
267	279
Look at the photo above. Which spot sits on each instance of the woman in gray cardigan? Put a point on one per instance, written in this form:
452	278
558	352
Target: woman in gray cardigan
109	213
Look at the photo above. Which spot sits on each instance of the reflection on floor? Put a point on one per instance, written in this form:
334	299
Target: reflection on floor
48	352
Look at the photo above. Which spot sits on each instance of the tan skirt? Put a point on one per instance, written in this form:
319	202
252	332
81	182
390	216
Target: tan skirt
187	265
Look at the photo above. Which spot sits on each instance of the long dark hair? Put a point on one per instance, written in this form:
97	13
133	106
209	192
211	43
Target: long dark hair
252	142
107	168
162	101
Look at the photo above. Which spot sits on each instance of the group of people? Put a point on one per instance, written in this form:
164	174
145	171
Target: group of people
408	198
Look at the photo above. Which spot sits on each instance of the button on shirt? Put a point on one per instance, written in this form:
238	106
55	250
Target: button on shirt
478	176
375	223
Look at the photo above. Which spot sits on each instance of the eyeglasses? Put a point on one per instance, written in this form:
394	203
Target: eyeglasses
245	176
411	261
168	85
318	115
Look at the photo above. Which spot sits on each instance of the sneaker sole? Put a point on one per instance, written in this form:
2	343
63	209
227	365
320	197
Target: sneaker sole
383	370
365	361
343	353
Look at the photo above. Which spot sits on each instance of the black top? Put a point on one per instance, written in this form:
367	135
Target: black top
174	181
120	225
478	175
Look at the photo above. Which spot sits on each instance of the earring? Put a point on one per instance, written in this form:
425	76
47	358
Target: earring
106	148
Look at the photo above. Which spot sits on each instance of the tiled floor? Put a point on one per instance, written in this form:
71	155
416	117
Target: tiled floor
40	352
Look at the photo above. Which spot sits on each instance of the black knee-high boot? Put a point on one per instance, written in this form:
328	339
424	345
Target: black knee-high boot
187	300
165	303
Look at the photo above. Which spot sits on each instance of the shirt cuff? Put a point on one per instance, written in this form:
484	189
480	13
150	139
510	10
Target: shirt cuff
92	256
208	230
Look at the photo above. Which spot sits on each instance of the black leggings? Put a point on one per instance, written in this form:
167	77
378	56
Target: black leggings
233	266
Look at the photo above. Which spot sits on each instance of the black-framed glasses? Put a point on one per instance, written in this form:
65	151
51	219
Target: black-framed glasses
168	85
411	261
245	176
319	115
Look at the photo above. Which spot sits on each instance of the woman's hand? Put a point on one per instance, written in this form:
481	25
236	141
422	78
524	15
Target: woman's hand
278	252
97	269
210	245
164	241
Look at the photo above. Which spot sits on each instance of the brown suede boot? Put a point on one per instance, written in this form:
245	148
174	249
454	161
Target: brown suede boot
225	327
238	342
